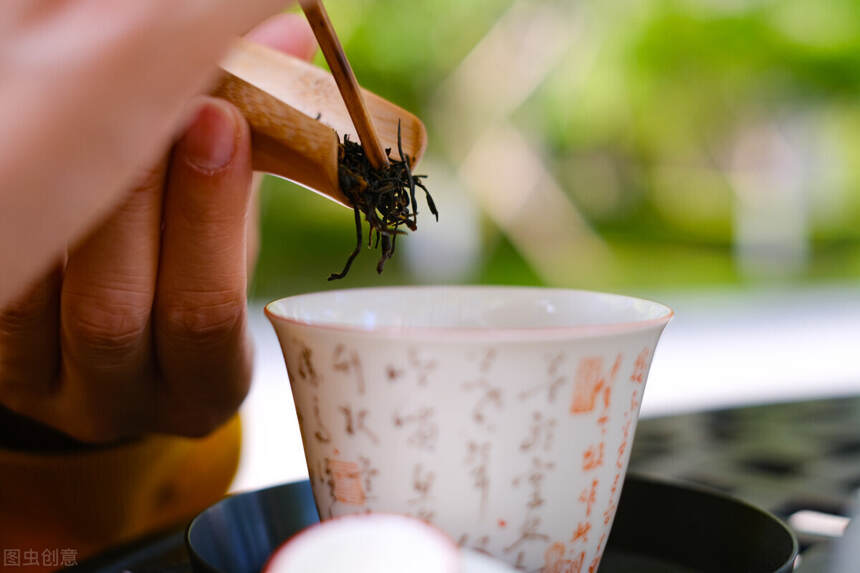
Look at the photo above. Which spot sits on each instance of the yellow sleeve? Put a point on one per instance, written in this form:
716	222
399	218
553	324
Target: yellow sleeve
84	502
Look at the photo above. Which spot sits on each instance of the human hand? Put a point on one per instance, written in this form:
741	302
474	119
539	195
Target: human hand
92	92
143	328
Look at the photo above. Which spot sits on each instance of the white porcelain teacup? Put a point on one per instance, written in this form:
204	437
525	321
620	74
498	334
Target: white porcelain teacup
503	415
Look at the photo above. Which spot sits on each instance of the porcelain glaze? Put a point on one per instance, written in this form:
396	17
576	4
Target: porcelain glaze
502	415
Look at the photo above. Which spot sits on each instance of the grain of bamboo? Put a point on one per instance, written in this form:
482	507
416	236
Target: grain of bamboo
297	114
346	81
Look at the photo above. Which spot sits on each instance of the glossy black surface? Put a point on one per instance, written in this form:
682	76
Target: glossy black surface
781	457
660	527
695	529
239	534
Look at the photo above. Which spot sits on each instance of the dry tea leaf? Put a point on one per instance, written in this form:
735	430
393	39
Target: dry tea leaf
386	197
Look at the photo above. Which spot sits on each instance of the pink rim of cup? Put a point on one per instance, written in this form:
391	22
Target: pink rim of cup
569	331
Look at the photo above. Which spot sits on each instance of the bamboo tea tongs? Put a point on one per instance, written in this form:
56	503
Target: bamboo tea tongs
297	111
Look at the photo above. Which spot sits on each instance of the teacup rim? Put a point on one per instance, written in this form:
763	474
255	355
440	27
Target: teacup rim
539	332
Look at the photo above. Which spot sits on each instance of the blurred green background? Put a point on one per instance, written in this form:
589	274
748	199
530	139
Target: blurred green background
613	145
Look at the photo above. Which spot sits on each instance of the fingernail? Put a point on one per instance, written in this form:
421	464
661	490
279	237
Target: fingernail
210	143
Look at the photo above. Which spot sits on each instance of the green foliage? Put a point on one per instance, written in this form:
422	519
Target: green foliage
640	125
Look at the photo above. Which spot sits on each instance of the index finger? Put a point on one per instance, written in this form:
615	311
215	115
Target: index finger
200	312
